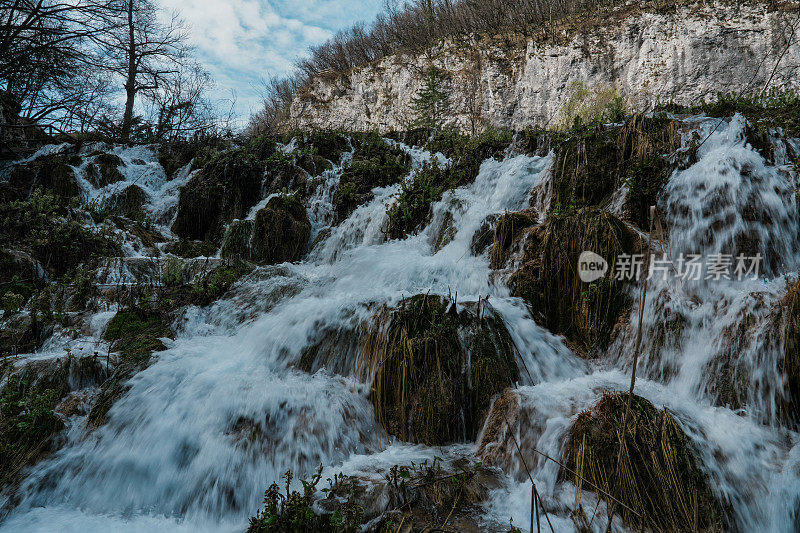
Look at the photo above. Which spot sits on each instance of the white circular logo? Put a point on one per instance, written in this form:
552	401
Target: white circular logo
591	267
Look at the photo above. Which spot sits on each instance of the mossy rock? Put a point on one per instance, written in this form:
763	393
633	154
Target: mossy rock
374	164
27	426
23	333
507	230
70	244
27	399
223	190
281	231
191	249
236	244
174	155
421	391
547	277
50	173
661	480
104	170
327	144
313	163
411	210
592	162
17	265
135	333
283	175
787	327
129	202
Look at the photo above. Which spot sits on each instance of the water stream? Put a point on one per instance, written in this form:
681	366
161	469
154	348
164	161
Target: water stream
175	452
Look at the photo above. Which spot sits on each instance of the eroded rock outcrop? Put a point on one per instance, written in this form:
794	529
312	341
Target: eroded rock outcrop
681	56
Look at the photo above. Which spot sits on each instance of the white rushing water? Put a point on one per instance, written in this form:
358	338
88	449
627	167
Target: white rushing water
224	411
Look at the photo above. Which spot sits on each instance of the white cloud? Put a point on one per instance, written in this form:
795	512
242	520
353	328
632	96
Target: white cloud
242	41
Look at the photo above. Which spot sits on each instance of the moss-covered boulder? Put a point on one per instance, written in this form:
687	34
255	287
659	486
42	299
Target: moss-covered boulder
592	162
135	333
50	173
660	481
223	190
69	244
547	274
236	244
329	145
787	328
374	164
23	333
129	202
104	170
281	231
437	368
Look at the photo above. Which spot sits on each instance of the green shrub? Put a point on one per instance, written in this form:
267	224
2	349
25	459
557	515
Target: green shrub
27	423
292	511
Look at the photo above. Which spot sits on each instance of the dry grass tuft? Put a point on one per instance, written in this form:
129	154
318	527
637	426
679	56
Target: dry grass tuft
434	369
659	476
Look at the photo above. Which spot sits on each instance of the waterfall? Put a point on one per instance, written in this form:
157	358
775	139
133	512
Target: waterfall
224	411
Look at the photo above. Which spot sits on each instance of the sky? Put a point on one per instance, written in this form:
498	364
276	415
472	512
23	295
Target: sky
241	42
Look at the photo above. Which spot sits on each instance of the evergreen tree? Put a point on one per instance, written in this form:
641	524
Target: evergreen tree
432	103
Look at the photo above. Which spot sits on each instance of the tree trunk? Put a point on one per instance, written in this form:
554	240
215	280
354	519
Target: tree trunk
130	82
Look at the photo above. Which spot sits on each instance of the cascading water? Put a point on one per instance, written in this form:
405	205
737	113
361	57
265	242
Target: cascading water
224	411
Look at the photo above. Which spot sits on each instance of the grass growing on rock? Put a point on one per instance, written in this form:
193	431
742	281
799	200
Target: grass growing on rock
104	170
660	477
592	162
135	332
547	278
224	189
27	425
421	390
375	164
789	319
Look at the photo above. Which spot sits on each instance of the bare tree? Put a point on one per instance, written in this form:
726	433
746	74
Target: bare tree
179	107
143	51
47	61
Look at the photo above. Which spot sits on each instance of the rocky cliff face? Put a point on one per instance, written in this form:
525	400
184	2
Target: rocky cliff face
650	58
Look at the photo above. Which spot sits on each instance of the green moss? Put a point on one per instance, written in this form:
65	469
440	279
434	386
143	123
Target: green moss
191	249
645	181
128	202
661	478
236	242
27	425
327	144
281	231
224	189
135	332
421	392
788	320
56	236
212	286
591	163
374	164
772	109
49	173
412	208
104	170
